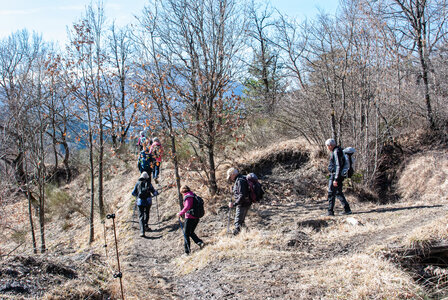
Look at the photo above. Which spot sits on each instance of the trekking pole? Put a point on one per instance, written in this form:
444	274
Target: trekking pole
133	213
105	240
228	220
185	237
157	209
119	274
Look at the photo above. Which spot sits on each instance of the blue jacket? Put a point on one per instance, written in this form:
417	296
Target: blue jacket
145	162
147	201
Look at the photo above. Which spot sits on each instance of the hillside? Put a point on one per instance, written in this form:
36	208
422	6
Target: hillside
397	250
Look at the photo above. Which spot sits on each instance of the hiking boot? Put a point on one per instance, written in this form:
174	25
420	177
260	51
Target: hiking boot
201	245
147	228
346	212
142	234
329	213
156	180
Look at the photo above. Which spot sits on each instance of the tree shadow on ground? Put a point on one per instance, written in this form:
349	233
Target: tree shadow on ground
152	237
391	209
169	227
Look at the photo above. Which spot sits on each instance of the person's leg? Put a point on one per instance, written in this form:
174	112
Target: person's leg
331	197
188	229
194	224
147	212
156	170
141	219
340	195
244	212
240	213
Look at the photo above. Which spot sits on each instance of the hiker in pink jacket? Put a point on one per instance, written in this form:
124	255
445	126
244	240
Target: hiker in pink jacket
190	221
156	152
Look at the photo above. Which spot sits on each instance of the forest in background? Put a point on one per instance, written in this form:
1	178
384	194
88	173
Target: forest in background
374	71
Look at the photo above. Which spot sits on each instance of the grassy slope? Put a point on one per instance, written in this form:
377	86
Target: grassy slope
291	251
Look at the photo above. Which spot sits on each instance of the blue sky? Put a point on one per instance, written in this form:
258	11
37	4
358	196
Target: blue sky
51	17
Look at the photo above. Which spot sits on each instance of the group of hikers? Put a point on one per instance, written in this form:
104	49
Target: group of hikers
149	161
246	191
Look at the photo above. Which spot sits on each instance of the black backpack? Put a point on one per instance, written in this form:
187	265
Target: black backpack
198	207
256	191
144	190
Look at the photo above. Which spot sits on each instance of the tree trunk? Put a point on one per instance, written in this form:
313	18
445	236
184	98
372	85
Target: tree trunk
30	211
41	180
92	185
100	171
176	169
424	66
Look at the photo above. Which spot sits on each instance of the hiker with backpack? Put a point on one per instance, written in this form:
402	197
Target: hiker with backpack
193	210
141	141
241	196
336	169
144	191
145	162
156	152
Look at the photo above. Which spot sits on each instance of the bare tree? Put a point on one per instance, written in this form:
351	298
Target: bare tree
199	40
264	83
122	111
421	26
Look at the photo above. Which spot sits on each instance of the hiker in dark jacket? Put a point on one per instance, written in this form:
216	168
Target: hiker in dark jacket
241	197
336	179
144	191
145	162
191	222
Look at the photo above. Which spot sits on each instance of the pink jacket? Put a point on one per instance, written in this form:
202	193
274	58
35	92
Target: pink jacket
188	204
157	158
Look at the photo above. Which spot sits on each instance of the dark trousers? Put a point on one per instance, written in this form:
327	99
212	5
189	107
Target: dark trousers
336	192
190	226
143	216
240	216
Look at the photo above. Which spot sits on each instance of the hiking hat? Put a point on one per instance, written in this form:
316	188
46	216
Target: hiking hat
330	142
230	172
144	175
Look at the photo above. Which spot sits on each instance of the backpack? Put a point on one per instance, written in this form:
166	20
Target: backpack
256	191
141	140
349	161
155	150
145	160
198	207
144	190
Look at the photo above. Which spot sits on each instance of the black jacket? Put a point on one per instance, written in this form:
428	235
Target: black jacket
336	163
241	191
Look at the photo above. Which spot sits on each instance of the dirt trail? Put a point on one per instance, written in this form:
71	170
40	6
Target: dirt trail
276	277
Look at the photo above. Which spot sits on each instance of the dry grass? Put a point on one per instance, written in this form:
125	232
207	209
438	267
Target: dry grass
359	277
295	145
253	245
425	177
426	235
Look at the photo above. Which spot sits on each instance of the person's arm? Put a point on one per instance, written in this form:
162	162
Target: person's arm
135	191
188	205
337	164
153	191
